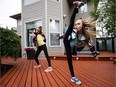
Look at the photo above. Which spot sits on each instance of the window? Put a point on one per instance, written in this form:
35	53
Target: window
56	0
83	8
30	26
19	22
53	39
28	2
54	29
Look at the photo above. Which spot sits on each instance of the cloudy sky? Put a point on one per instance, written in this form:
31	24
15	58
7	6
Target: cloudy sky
8	8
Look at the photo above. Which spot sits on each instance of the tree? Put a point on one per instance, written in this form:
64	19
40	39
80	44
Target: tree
9	43
105	14
108	17
94	13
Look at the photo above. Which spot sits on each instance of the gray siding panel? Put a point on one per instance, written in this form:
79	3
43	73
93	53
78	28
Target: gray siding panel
53	12
54	9
31	13
34	10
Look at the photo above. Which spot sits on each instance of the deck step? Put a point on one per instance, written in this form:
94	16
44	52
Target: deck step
81	57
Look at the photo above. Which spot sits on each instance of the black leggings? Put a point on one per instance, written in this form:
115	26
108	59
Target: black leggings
91	47
39	49
67	42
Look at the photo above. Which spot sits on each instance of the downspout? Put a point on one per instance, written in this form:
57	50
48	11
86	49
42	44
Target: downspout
62	23
46	19
113	46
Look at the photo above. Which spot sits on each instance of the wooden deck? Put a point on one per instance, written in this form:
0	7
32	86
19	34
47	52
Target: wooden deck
103	56
91	73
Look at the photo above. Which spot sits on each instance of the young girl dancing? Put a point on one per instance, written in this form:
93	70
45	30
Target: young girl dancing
79	39
41	45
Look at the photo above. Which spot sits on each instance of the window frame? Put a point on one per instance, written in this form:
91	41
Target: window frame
25	4
56	0
27	30
57	32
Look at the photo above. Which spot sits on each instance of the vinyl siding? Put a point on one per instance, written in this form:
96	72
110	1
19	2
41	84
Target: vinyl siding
47	10
54	12
30	13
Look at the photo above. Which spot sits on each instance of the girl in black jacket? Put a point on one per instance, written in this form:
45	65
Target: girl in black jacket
41	45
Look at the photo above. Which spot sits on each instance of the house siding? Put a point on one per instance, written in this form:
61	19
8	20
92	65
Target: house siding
46	10
31	13
54	12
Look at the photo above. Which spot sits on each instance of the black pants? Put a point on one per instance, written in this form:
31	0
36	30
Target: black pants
39	49
91	47
67	42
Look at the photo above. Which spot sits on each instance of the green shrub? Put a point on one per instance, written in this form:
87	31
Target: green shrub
9	43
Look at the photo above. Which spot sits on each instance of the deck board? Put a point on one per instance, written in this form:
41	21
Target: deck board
34	76
20	75
91	73
24	77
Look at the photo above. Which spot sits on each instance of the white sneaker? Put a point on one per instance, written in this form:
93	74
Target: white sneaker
76	80
37	66
48	69
97	59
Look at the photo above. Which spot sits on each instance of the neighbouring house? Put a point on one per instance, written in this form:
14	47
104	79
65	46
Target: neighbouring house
52	15
18	18
18	29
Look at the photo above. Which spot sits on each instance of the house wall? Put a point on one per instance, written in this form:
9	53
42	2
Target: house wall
54	11
32	12
46	10
19	26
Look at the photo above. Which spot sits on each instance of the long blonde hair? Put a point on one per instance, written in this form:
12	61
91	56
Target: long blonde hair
84	31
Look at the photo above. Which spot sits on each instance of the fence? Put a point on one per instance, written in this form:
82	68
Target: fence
106	44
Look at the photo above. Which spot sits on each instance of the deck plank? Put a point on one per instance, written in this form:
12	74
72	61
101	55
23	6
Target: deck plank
91	73
65	73
96	76
24	77
15	75
34	75
40	80
65	70
29	75
56	77
44	77
14	66
51	79
8	76
20	75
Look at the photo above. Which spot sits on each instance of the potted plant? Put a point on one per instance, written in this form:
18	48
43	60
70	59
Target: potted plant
30	52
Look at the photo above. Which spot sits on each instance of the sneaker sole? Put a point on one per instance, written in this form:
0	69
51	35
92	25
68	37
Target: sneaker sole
37	67
72	80
76	82
48	71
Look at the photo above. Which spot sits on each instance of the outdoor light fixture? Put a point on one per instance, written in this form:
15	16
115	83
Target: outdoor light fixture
64	15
